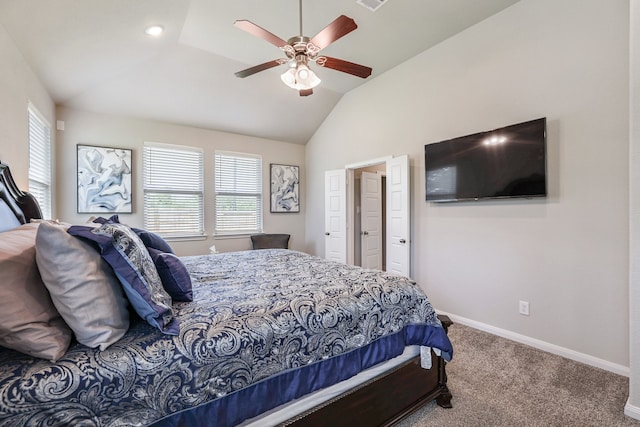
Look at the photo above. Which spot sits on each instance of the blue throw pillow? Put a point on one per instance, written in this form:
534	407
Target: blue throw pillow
153	241
126	254
174	275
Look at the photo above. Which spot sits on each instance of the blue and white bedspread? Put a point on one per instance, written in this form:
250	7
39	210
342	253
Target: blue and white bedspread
265	327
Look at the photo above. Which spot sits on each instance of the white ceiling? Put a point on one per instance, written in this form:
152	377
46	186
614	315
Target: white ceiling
93	55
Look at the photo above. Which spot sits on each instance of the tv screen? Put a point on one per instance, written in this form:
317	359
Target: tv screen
501	163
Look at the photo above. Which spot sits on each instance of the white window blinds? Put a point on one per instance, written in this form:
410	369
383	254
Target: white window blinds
173	190
238	179
40	161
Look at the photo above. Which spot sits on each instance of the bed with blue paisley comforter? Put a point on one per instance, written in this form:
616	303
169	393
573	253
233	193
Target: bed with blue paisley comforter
264	327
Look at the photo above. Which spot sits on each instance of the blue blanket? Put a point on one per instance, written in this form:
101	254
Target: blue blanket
265	327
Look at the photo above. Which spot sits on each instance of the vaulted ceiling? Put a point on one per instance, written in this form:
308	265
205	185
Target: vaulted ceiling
94	55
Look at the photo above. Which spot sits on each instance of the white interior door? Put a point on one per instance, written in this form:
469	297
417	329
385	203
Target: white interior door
398	226
371	220
335	215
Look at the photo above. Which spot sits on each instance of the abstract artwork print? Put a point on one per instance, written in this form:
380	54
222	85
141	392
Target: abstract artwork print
104	179
285	191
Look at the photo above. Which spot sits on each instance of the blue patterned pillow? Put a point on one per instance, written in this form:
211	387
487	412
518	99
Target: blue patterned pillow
101	220
130	260
174	275
150	240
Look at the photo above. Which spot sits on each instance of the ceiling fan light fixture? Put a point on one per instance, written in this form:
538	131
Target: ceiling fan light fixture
306	78
300	77
289	78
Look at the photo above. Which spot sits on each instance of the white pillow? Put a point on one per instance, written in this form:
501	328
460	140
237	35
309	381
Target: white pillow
82	285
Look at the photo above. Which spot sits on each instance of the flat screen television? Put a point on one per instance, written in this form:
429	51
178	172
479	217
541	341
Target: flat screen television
501	163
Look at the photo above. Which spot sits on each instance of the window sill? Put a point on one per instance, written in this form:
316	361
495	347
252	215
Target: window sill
234	236
184	238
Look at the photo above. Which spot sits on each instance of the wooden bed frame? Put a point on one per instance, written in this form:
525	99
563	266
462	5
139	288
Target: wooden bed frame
386	399
24	205
382	401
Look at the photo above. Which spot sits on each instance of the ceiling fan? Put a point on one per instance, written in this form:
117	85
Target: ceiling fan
301	50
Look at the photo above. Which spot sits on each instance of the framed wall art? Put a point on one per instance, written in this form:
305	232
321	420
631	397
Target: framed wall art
285	188
104	179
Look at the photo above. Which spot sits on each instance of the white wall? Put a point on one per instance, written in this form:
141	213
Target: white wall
633	405
83	127
566	255
18	87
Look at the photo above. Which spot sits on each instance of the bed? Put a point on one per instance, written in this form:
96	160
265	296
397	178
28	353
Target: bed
261	337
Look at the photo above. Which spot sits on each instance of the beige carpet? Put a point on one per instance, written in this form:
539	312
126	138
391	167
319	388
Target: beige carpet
497	382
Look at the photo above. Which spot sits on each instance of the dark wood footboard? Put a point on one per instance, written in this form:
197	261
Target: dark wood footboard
386	399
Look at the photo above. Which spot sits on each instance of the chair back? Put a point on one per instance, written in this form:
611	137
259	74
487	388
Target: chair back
270	241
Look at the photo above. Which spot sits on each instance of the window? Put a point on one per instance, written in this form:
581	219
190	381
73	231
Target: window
173	190
238	179
40	160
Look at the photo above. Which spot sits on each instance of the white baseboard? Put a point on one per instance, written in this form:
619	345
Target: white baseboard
632	411
542	345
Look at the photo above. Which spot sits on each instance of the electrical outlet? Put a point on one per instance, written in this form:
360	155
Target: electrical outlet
524	308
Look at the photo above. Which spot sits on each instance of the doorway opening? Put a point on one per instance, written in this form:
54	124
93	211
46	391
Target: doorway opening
370	217
341	232
367	213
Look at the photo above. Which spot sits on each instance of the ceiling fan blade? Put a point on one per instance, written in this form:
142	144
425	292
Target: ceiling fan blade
258	68
306	92
340	27
345	66
258	31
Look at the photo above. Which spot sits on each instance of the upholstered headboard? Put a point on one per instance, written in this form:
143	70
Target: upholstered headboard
16	206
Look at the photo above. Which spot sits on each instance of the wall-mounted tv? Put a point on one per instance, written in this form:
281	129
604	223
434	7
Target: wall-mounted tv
501	163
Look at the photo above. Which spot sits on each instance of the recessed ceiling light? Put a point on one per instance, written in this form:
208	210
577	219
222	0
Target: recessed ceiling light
154	30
